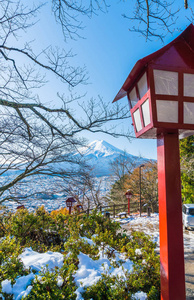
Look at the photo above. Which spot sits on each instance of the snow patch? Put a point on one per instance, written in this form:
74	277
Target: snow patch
90	271
36	261
140	296
20	289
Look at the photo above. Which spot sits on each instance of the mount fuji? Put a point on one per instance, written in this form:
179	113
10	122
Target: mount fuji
99	155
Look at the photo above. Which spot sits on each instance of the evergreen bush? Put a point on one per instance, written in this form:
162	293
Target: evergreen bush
58	231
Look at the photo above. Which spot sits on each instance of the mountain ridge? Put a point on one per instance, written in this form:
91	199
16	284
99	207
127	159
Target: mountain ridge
99	154
100	147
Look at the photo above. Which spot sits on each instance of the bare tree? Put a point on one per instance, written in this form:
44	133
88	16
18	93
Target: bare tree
87	190
35	139
150	18
68	13
154	18
122	166
150	185
121	170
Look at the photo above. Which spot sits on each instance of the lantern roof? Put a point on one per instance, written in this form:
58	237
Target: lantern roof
178	53
128	193
71	199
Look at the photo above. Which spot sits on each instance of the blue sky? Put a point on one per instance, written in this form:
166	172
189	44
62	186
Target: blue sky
109	51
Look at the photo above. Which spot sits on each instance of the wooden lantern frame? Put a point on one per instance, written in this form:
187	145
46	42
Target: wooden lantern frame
176	57
69	203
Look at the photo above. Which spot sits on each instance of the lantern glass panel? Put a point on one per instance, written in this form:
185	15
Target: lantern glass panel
166	82
133	97
137	120
146	112
188	113
167	111
142	86
189	85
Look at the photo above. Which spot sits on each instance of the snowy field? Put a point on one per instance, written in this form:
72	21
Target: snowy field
89	271
150	226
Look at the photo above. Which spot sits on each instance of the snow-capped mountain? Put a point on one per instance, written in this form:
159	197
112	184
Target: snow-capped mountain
99	149
99	155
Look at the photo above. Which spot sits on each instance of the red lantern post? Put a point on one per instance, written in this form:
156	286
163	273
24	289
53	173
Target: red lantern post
160	91
128	195
79	208
69	203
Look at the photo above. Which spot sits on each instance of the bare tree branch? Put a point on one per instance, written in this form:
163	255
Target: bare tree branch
153	18
67	14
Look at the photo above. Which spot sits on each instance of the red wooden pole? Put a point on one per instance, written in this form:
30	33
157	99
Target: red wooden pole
140	190
128	206
170	215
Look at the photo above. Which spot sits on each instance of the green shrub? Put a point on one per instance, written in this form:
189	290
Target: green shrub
74	246
59	232
107	288
146	270
145	278
137	241
154	293
95	223
5	216
54	285
38	230
10	265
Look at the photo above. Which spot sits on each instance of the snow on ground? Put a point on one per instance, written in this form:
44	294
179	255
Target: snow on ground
150	226
36	261
89	270
140	296
20	289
